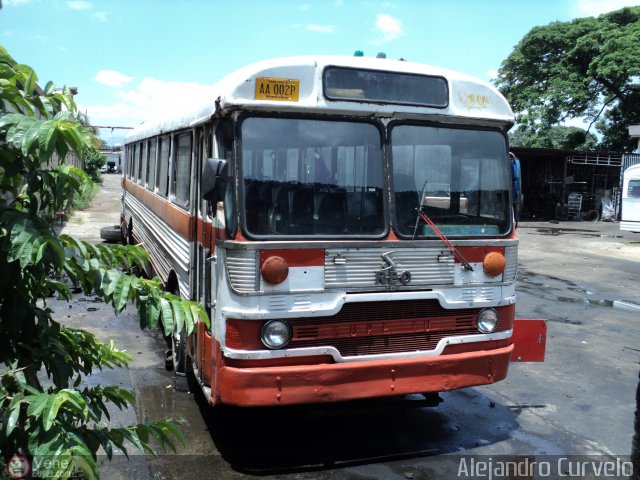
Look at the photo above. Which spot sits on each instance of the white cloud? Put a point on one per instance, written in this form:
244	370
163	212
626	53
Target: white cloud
321	28
150	99
15	2
100	16
388	27
492	74
593	8
112	78
79	5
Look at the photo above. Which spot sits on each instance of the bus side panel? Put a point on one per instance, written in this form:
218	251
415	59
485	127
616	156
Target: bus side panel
630	219
163	229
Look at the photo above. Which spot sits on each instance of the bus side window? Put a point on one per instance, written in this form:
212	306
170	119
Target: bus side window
164	151
182	170
224	140
143	167
151	165
136	165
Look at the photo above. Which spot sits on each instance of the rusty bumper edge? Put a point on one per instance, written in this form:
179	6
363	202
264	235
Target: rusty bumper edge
356	380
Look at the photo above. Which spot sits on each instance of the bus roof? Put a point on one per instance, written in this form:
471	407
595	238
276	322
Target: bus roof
632	171
303	88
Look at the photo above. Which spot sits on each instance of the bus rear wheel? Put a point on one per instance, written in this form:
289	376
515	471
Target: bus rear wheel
176	354
179	353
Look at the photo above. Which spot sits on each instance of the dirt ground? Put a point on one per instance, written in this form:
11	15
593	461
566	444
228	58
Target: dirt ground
582	277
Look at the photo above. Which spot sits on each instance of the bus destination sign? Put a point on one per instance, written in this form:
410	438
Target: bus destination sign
283	89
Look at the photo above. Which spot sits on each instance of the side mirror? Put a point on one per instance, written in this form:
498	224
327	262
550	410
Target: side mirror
214	178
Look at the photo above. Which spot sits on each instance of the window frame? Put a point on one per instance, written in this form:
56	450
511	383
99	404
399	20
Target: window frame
325	88
176	165
482	128
164	193
331	119
152	163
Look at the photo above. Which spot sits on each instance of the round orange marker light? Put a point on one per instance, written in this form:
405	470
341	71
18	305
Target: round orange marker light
274	270
494	263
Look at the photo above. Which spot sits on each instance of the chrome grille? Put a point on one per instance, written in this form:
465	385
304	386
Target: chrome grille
242	266
511	254
357	268
390	327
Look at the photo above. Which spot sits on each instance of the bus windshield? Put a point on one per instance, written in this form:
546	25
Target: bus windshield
458	177
312	177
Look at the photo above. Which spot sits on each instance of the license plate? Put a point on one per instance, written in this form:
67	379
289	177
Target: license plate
279	89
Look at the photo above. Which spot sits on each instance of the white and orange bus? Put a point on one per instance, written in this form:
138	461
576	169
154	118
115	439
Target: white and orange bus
348	224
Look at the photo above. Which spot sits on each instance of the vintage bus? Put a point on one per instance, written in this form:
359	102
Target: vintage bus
348	224
630	218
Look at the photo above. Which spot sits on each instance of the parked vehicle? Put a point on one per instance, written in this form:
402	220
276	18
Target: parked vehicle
630	219
348	223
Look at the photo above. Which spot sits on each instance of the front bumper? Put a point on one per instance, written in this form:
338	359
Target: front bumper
333	382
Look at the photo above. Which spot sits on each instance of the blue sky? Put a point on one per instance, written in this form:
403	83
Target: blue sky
134	59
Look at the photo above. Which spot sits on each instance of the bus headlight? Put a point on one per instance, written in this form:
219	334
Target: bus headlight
275	334
487	320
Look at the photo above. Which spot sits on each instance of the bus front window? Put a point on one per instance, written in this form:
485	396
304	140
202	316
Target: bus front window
459	177
312	177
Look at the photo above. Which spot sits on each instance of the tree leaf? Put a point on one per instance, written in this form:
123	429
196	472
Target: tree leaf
12	420
121	292
178	314
22	246
167	316
37	403
51	410
188	316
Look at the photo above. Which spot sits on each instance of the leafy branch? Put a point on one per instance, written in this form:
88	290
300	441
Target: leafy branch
62	418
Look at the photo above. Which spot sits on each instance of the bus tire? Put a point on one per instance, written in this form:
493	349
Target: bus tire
130	240
179	353
592	216
111	234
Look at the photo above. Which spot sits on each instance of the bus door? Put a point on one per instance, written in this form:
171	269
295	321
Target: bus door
201	248
217	142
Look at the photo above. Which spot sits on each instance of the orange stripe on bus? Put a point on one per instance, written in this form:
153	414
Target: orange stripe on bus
178	219
296	257
477	254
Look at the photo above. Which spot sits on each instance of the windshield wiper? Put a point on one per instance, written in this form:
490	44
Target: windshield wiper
421	215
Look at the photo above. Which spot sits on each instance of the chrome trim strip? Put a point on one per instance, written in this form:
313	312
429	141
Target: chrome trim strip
341	244
330	303
167	249
303	352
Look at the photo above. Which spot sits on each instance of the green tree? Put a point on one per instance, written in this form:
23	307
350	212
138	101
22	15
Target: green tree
587	68
566	138
93	160
60	417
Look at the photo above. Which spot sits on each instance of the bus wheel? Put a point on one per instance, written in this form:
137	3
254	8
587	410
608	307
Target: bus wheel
111	234
130	240
179	353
